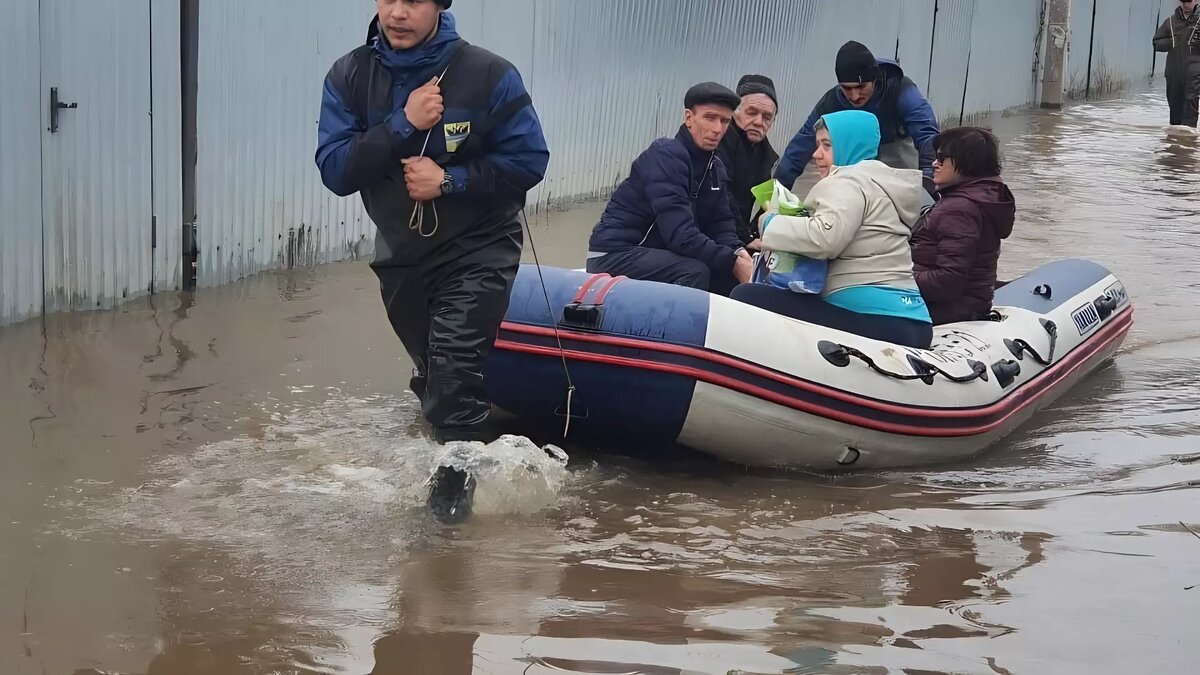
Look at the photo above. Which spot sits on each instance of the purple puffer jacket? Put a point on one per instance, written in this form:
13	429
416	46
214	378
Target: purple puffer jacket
957	246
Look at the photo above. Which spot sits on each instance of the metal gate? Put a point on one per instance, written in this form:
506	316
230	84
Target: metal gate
89	179
96	179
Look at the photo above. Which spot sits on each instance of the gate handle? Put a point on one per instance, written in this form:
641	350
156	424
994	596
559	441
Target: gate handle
55	106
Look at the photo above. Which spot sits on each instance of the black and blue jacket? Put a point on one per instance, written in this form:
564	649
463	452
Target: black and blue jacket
489	139
902	110
675	198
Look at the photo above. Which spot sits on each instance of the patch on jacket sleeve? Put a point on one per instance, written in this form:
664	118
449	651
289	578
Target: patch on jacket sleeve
456	134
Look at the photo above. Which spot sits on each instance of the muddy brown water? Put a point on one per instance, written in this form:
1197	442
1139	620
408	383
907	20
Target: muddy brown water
230	483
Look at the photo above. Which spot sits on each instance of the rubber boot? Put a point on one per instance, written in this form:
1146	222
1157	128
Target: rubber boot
451	495
452	491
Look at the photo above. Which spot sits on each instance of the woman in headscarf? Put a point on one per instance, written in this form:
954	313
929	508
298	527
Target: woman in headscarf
861	217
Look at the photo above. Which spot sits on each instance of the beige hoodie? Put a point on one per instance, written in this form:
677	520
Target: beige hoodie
862	219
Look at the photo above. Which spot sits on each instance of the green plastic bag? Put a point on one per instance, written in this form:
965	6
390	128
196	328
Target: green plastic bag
797	273
773	199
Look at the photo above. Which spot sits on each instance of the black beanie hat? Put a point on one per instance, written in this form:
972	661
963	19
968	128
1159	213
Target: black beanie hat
856	63
445	3
711	92
757	84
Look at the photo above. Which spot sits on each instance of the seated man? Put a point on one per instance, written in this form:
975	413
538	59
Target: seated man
746	152
906	120
671	220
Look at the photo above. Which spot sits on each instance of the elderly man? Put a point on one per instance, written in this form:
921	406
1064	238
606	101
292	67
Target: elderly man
879	86
746	152
671	220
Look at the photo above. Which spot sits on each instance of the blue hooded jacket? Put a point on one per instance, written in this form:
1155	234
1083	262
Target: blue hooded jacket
902	110
489	140
855	136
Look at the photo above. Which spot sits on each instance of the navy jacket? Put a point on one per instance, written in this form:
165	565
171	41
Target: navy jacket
675	198
902	110
489	139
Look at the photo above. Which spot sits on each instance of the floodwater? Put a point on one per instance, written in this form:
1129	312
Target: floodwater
232	483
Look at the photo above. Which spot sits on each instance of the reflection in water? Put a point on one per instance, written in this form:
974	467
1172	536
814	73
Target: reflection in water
442	651
166	336
231	483
1179	162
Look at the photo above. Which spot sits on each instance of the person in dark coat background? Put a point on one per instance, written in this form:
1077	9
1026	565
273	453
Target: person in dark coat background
879	86
671	220
956	248
1179	37
746	151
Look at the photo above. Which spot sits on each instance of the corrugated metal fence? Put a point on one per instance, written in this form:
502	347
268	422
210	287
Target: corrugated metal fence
260	203
93	212
625	63
1110	45
20	164
89	192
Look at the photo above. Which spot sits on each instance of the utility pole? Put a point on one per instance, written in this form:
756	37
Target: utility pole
1057	32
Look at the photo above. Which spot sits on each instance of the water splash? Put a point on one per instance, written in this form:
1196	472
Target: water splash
512	474
317	488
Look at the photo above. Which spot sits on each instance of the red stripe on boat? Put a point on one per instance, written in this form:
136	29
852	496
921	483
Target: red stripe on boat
1009	406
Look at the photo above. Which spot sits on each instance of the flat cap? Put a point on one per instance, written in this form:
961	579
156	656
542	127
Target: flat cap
711	93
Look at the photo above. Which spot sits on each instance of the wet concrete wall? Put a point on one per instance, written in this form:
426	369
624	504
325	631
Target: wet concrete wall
606	78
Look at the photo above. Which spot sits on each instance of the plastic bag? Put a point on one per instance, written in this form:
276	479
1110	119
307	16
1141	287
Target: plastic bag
797	273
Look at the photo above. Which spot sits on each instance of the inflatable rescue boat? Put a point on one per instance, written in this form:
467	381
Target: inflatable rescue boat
667	364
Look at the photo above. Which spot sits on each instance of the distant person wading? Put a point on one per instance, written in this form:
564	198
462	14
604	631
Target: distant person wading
1179	37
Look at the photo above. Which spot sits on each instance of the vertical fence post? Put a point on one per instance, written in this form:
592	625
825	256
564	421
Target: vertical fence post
189	16
932	46
1058	25
1087	91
